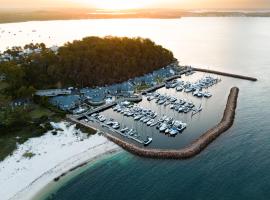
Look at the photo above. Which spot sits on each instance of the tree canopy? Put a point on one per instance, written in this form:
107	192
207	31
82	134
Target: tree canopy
89	62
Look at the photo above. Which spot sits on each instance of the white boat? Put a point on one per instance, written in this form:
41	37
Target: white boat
160	102
174	131
150	122
179	88
147	141
131	132
137	117
146	120
181	127
207	94
101	118
124	129
116	125
94	115
163	127
187	90
167	103
154	123
143	118
110	122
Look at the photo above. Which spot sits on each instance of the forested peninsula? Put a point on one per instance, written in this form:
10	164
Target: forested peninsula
92	61
89	62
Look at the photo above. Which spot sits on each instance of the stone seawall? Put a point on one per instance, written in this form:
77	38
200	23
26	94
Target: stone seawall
225	74
195	147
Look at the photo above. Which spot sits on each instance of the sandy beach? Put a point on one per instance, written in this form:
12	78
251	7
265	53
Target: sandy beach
21	178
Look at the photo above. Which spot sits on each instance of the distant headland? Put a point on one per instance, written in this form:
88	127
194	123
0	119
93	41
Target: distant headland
10	16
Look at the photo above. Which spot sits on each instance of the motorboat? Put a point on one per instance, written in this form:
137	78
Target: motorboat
110	122
116	125
153	124
142	119
148	141
123	130
163	127
181	127
150	122
167	103
146	120
179	88
173	131
137	117
101	118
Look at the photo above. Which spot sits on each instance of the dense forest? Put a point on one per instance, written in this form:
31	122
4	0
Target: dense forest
91	61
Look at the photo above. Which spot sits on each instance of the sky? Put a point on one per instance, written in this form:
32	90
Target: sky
129	4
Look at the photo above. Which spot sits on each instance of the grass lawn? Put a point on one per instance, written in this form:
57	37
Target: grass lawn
39	112
141	87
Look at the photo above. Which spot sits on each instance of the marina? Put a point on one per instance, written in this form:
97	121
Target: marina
166	118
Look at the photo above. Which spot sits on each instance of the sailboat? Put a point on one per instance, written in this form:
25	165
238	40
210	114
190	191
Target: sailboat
195	111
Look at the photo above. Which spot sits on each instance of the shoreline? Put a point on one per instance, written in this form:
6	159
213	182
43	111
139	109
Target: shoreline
33	191
53	156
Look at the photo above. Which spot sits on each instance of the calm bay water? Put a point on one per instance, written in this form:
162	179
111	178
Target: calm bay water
236	165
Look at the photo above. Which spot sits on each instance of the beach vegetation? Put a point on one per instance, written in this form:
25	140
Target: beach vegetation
28	155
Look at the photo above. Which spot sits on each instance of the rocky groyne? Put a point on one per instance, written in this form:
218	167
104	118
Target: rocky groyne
225	74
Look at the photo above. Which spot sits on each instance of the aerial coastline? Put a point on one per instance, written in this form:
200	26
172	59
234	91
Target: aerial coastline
134	100
167	74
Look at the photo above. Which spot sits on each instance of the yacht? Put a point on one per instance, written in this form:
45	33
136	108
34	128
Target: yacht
116	125
131	132
187	90
94	115
150	122
162	101
154	123
101	118
173	131
181	127
150	98
137	117
147	141
110	122
142	119
167	103
163	127
123	130
146	120
207	94
179	88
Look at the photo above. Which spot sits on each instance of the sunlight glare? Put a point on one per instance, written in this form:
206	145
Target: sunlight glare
117	4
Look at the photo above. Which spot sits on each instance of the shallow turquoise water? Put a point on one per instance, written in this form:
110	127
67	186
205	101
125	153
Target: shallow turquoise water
237	164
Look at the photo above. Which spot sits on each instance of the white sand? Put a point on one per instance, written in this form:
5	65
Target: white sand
22	178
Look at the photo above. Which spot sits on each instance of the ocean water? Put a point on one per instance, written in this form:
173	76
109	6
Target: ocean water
236	165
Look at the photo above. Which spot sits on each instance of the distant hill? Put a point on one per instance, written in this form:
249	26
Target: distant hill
68	14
